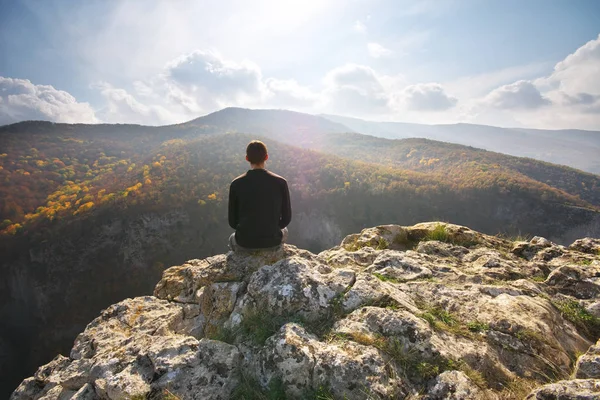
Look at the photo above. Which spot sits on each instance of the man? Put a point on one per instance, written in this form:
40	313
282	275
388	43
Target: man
259	204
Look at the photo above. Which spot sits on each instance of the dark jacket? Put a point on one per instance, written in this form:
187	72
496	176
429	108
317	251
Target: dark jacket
259	207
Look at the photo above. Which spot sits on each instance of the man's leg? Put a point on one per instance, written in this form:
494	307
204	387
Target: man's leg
284	232
232	243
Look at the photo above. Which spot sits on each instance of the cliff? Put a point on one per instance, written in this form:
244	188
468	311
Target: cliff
431	311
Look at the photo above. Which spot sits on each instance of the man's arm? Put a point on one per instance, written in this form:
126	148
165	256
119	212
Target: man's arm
286	207
233	217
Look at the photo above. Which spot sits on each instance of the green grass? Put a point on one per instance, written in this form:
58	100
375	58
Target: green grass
439	233
573	311
258	325
478	326
382	244
222	334
442	320
520	238
442	234
323	393
250	389
528	335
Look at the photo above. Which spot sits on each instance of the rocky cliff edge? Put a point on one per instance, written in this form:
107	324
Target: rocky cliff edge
431	311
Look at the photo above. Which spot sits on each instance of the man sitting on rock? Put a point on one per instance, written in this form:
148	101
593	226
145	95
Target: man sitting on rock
259	204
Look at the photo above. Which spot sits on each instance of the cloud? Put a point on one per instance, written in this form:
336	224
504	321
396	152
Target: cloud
208	70
354	88
122	107
192	84
578	72
378	51
22	100
289	93
359	27
519	95
427	97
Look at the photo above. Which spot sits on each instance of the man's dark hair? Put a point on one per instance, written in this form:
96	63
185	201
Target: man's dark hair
256	152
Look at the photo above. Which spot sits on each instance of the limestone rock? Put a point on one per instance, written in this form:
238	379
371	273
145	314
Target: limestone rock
577	281
398	266
390	313
588	365
578	389
453	385
349	369
586	245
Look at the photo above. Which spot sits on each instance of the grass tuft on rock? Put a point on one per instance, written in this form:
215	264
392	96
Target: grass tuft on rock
257	326
250	388
478	326
439	233
573	311
442	320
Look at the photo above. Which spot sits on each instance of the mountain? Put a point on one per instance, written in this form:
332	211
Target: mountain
93	213
428	312
280	125
575	148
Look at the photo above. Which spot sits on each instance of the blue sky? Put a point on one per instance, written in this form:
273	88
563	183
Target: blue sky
530	63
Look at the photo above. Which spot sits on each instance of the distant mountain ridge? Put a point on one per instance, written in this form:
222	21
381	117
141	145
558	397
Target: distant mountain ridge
576	148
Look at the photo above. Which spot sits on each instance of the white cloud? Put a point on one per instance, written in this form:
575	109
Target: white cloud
579	72
22	100
208	70
354	88
568	97
122	107
359	27
519	95
474	86
288	93
427	97
190	85
377	51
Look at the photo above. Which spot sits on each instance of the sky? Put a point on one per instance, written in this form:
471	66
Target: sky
510	63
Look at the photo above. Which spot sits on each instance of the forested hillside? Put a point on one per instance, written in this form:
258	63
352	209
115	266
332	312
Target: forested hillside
575	148
93	213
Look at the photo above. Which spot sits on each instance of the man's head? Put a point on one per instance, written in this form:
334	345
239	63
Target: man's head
256	152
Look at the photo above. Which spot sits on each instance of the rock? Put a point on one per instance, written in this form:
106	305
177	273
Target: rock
398	266
453	385
211	371
411	334
529	250
349	369
28	389
441	249
579	282
339	257
588	365
296	286
586	245
371	318
181	283
379	238
577	389
370	290
86	392
594	309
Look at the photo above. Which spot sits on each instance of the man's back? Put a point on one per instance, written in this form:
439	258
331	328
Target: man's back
259	207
